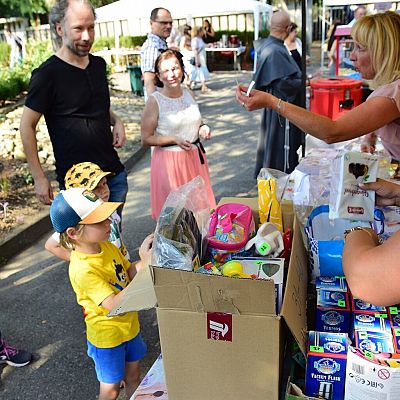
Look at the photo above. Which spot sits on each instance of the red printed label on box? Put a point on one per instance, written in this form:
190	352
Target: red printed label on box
219	326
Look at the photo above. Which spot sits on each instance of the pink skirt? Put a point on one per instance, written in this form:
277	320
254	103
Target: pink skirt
172	169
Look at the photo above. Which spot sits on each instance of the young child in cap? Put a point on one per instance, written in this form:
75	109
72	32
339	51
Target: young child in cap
89	176
99	273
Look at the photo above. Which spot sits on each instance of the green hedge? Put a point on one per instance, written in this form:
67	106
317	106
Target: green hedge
15	81
124	41
5	51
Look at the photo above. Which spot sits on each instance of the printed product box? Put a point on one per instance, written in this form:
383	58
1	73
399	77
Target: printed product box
267	268
326	365
371	322
372	376
374	341
333	311
336	283
396	339
220	337
394	316
360	306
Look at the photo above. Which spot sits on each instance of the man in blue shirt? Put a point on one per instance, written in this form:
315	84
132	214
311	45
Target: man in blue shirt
161	26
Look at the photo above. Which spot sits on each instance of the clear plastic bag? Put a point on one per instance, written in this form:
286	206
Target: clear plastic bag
181	227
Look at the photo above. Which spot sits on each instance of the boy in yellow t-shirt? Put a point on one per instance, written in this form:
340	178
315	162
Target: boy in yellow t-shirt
99	273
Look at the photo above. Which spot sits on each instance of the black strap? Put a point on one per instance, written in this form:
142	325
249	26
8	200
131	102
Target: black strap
198	144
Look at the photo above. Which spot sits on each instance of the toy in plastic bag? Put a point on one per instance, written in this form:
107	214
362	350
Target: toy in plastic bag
271	185
181	226
231	225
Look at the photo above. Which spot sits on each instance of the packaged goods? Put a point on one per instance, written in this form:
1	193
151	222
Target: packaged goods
347	200
326	365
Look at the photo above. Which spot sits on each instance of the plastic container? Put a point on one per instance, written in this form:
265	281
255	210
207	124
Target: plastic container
334	96
135	74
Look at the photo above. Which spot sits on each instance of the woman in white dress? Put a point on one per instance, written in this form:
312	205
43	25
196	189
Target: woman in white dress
185	48
171	124
200	71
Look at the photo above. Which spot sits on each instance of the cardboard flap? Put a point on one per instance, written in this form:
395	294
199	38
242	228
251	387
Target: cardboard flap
139	294
192	291
295	298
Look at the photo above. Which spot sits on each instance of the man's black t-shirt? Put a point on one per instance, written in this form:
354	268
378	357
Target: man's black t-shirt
76	105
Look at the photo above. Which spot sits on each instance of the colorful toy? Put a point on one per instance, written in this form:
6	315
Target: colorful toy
235	269
268	240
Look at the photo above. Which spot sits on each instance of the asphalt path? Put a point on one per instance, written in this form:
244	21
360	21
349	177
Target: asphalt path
39	311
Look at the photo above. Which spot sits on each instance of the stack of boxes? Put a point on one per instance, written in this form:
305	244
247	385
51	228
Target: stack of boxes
339	315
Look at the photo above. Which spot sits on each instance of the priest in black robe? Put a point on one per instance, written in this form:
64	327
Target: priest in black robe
278	73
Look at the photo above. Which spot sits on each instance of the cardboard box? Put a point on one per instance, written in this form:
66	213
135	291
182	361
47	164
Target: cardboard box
326	365
220	336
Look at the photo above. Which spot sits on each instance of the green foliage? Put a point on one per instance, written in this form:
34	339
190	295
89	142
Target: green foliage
5	51
27	177
15	81
124	41
4	184
22	8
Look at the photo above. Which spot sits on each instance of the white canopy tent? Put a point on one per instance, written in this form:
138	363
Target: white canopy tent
138	12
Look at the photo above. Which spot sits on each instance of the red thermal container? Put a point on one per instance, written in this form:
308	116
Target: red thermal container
334	96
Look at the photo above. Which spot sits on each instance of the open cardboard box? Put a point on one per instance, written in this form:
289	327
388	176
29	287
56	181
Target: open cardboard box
220	336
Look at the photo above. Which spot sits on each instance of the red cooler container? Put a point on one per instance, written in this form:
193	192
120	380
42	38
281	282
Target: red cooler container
334	96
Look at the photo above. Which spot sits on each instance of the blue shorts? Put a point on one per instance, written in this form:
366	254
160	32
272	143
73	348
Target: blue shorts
110	363
118	185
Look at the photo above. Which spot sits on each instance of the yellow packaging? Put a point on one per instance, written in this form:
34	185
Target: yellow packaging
269	207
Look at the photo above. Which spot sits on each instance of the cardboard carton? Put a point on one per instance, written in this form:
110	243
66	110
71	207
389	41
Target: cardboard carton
221	337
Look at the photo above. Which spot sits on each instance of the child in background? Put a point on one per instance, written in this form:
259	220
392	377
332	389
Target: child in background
99	273
89	176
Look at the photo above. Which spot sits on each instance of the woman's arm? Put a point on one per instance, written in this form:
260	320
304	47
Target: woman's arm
363	119
372	271
148	127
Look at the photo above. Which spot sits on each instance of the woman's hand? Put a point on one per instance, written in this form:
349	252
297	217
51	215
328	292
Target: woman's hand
387	193
205	132
183	144
256	100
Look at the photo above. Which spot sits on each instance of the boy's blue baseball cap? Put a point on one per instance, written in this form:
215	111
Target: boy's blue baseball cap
79	206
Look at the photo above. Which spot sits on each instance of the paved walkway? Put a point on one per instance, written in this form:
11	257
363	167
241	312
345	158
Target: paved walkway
39	311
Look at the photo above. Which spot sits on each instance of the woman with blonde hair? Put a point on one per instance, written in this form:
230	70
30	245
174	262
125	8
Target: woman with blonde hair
200	71
376	55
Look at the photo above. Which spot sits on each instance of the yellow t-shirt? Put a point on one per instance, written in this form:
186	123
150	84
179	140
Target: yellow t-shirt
94	277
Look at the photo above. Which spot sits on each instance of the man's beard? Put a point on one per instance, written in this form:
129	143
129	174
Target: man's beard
78	52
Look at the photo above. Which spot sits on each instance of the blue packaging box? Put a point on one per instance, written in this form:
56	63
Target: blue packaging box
371	322
396	339
333	311
326	365
336	283
394	316
374	341
360	306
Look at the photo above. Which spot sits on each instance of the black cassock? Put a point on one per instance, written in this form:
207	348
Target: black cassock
278	74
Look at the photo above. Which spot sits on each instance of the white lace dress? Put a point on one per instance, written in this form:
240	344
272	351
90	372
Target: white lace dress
171	166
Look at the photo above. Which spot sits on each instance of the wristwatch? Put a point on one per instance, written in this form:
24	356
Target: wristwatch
360	228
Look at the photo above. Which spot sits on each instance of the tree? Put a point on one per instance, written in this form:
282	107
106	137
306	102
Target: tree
22	8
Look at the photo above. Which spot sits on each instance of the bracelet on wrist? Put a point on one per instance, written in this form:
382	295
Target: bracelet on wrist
368	231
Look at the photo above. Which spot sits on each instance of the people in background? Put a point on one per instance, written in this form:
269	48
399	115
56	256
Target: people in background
209	33
185	48
17	47
200	71
359	12
172	125
331	49
71	90
376	55
278	74
294	45
161	27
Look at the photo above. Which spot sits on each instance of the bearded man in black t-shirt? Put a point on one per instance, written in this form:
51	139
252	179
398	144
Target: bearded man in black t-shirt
70	89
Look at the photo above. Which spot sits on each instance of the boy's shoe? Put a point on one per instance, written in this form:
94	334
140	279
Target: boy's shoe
12	356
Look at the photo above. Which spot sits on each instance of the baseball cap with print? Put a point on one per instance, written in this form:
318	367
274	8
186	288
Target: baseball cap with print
84	175
79	206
